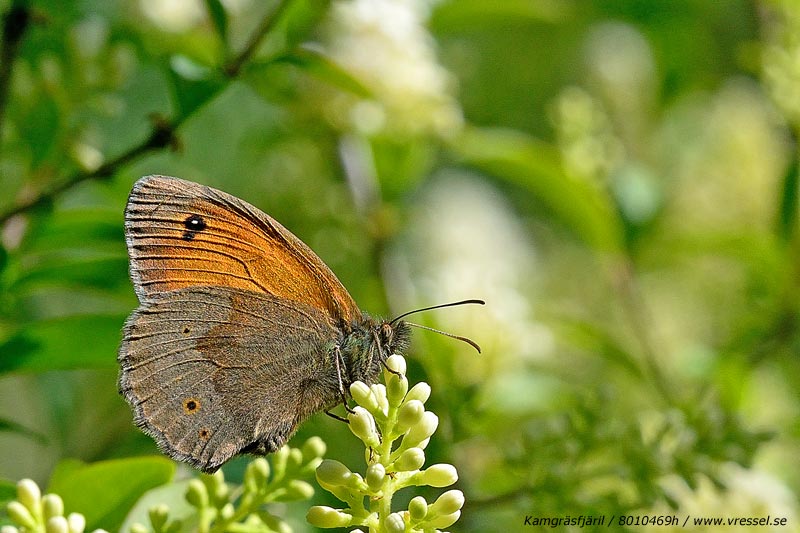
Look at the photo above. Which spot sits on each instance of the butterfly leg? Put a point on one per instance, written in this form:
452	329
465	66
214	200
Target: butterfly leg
337	357
382	355
337	417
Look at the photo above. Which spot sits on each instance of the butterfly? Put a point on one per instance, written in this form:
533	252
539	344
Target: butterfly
242	331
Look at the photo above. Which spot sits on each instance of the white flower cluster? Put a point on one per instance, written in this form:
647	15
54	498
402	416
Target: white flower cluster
32	512
386	46
384	415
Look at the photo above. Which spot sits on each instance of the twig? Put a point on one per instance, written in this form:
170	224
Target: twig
233	66
15	23
162	135
640	322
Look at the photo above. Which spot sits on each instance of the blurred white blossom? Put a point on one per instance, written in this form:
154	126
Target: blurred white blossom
173	15
781	57
590	149
747	493
385	44
467	243
622	68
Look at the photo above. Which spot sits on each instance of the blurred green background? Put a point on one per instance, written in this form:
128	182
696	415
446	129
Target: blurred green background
618	180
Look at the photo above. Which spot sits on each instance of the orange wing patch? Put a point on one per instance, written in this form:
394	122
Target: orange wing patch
181	234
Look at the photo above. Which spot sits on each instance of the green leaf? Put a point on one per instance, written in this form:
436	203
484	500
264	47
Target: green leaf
597	340
8	491
581	206
490	16
81	247
82	341
10	425
3	258
317	63
75	227
40	129
788	201
193	84
173	495
300	19
220	19
104	492
97	271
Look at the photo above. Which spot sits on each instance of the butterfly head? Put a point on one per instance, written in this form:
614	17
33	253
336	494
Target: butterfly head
371	342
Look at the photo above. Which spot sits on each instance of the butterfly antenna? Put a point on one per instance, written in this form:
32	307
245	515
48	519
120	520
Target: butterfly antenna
451	304
452	336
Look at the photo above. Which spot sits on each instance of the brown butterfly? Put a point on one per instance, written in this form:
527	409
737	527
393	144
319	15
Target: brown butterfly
242	331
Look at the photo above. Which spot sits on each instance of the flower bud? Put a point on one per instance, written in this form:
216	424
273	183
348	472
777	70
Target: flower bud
227	511
221	494
313	448
29	495
376	473
257	472
421	391
9	529
332	472
57	524
440	475
274	523
448	503
363	426
379	390
409	414
417	508
422	430
396	389
363	396
20	514
295	457
394	523
139	528
328	517
396	363
279	459
76	523
197	494
298	490
52	505
445	520
410	460
158	516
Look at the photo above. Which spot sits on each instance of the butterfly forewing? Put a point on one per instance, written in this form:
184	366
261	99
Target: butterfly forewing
181	234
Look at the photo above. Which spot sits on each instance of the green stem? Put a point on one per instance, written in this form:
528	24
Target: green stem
383	505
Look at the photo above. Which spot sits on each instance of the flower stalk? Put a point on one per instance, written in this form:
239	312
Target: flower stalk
392	423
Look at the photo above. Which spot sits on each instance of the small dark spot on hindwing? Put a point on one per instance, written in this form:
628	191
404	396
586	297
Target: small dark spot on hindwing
191	405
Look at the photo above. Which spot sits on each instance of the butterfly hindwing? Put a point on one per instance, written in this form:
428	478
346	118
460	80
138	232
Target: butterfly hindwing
213	371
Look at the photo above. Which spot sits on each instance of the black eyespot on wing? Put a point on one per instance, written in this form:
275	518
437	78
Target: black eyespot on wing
193	225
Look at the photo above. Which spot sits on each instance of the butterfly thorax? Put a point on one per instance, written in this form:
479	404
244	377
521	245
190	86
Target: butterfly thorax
370	342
